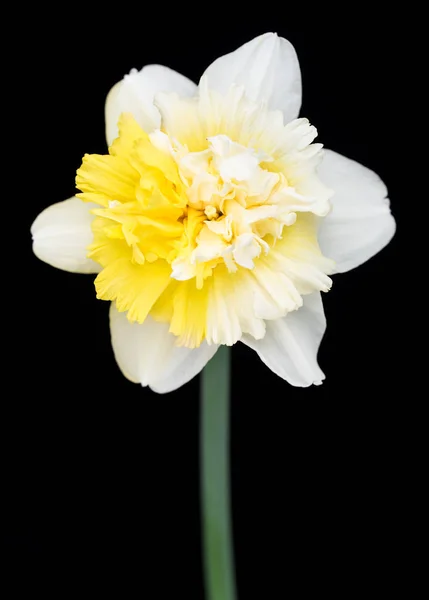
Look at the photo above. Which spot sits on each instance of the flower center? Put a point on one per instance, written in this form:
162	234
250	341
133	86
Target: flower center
210	220
236	202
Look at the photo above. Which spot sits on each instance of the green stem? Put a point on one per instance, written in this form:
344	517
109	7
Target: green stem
215	494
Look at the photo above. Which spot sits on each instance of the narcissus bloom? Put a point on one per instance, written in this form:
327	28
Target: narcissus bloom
215	218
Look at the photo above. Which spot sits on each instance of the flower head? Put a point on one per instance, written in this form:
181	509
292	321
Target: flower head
215	218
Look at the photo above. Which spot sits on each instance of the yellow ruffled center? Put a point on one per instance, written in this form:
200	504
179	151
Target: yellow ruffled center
209	233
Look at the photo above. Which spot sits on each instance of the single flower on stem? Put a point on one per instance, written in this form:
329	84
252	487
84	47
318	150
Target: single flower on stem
215	218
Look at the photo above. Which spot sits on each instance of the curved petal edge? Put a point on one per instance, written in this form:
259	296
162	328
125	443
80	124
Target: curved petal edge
136	92
61	234
267	67
360	223
147	353
291	343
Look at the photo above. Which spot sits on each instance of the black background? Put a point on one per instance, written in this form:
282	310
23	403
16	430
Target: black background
101	476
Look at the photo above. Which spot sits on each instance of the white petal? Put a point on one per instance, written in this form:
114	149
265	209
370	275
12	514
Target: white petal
290	345
360	223
267	67
62	233
147	353
135	94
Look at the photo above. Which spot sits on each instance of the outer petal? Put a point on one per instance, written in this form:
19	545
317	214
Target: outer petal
62	233
360	223
135	94
269	70
147	353
290	345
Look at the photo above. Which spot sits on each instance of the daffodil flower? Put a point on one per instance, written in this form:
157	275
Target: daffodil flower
215	219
